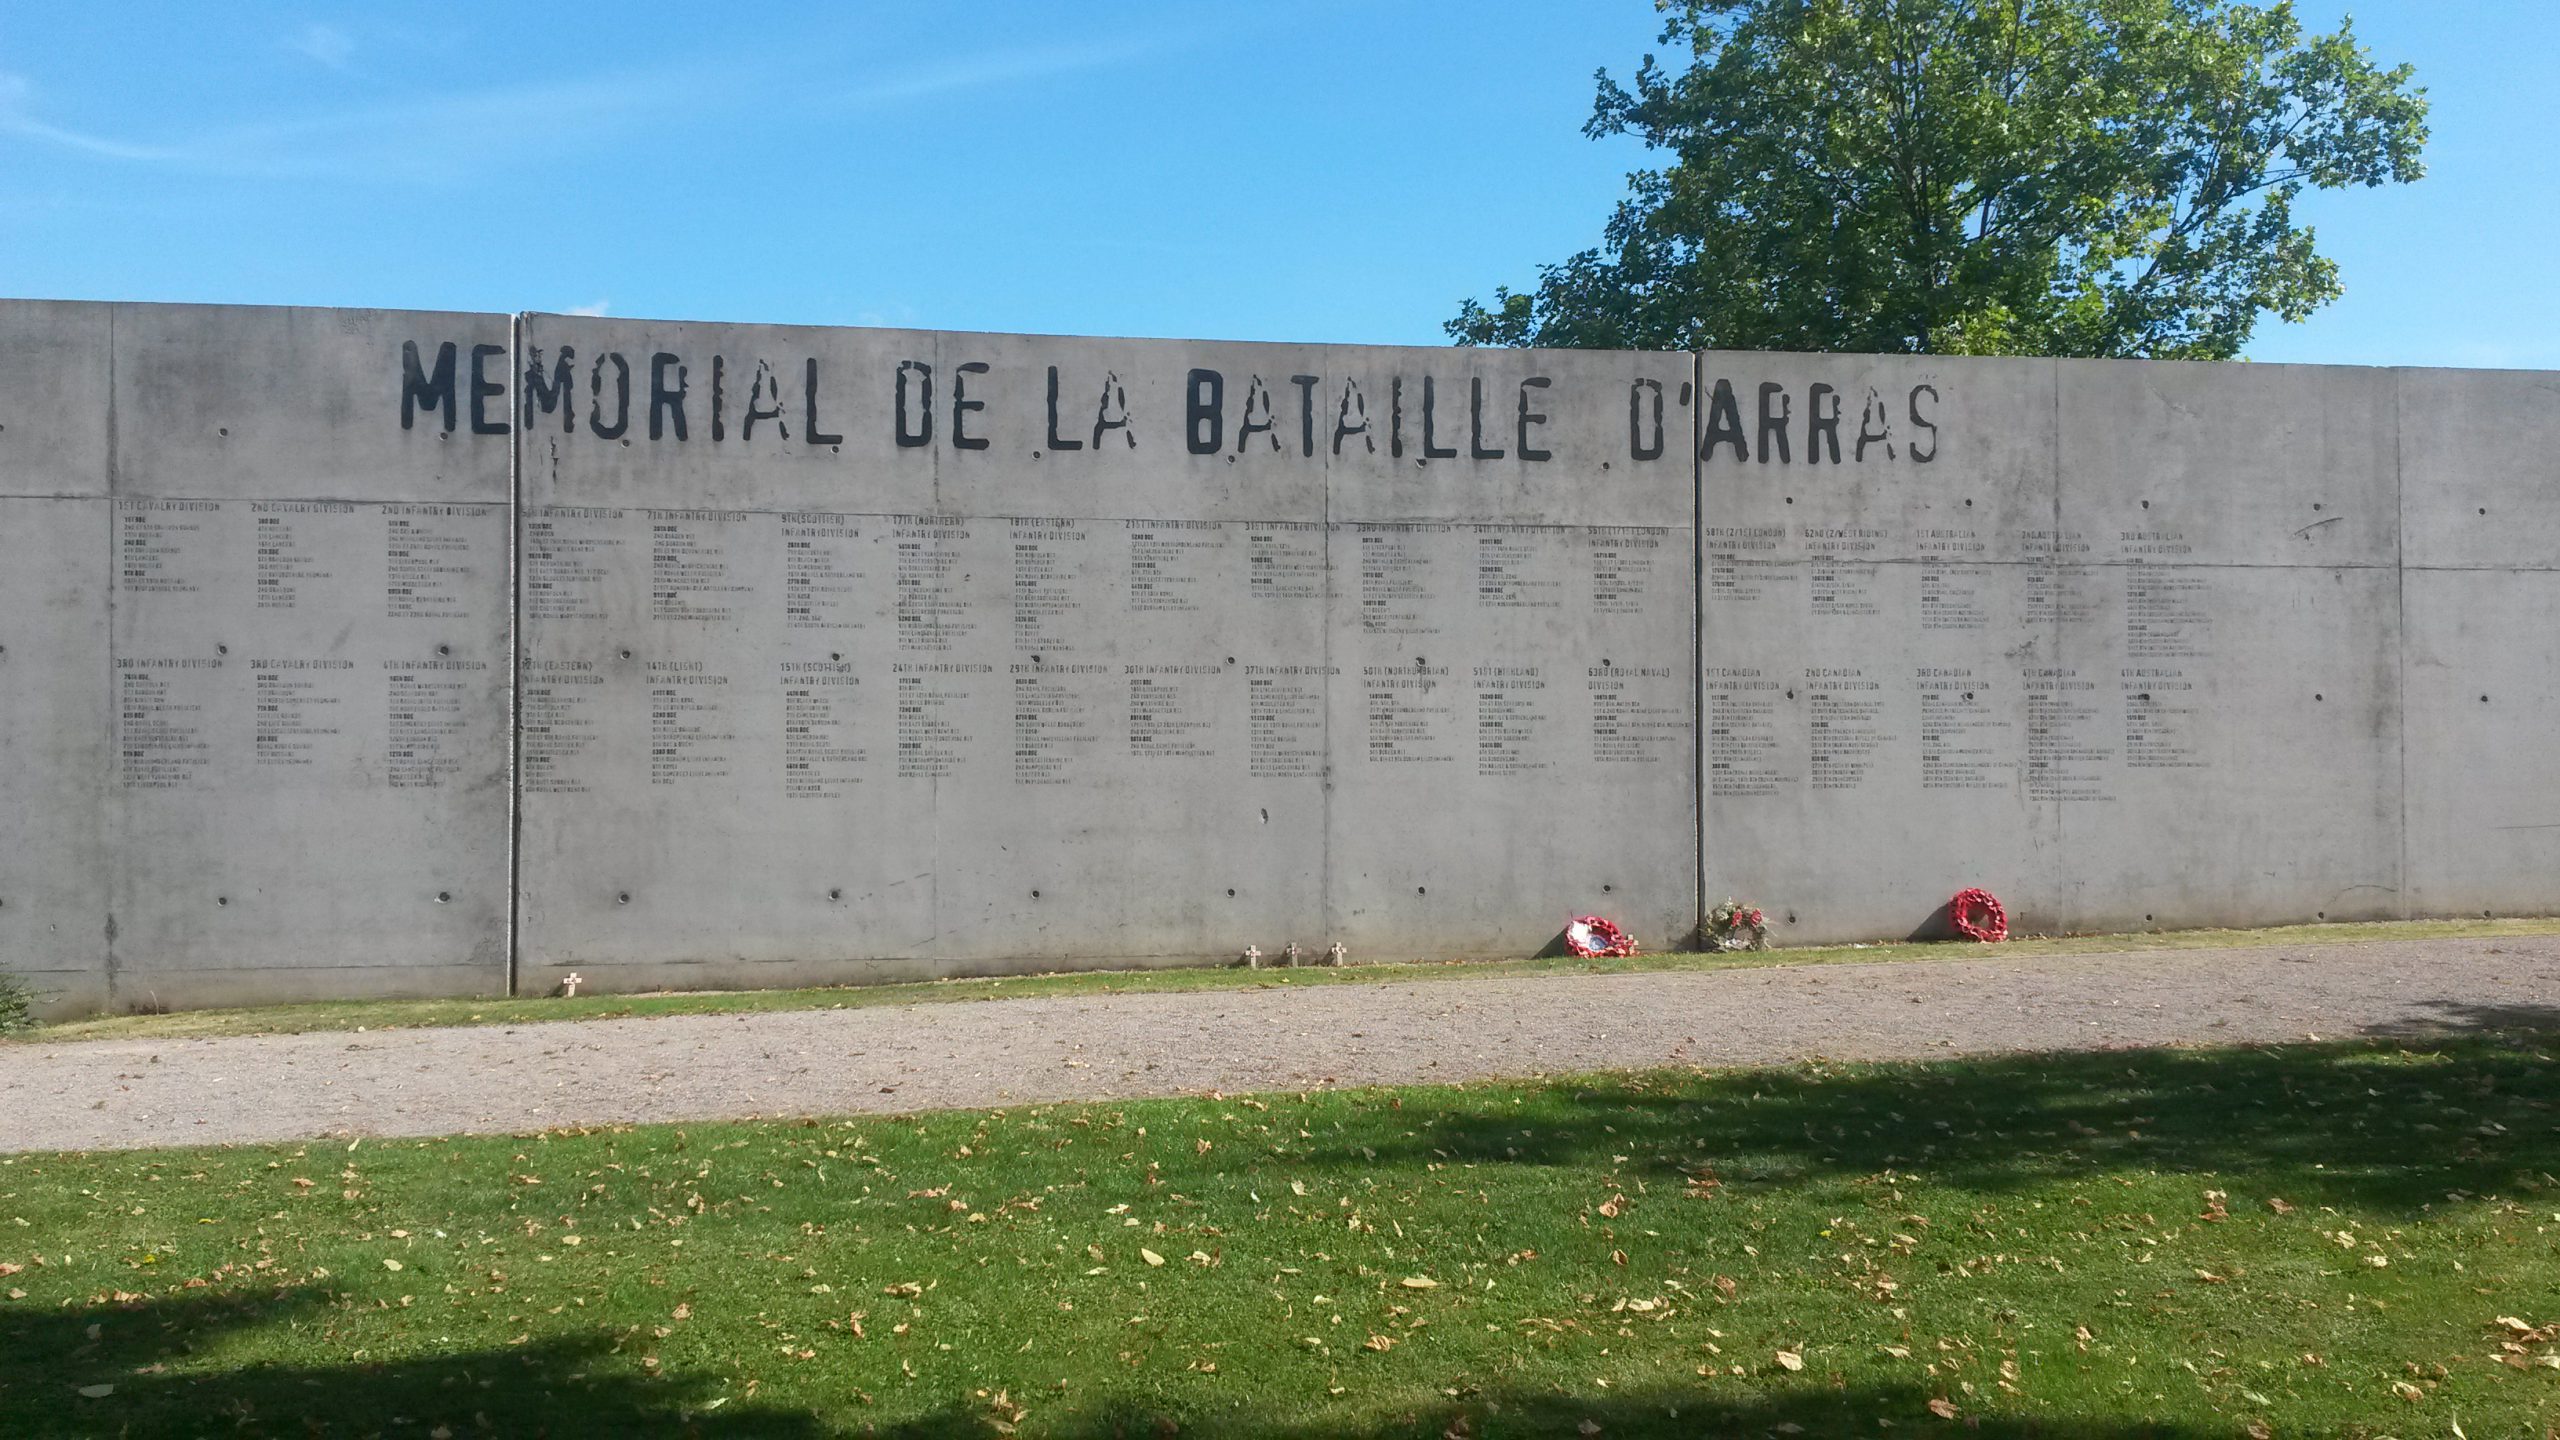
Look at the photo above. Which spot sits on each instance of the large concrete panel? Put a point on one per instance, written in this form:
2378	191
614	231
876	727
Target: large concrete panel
1513	737
1878	738
55	360
54	748
2481	695
2170	462
1878	623
2479	454
55	364
310	659
2239	741
260	403
1857	460
2140	690
1042	652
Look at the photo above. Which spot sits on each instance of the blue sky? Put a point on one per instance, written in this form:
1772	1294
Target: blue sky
1315	171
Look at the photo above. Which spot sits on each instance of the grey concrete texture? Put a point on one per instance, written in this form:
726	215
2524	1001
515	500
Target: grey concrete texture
126	1094
55	372
1070	651
54	747
843	654
2155	682
2480	469
256	688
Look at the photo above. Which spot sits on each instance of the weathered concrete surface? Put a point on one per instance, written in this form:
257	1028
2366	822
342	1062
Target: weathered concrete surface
873	654
54	715
2124	649
2480	510
119	1094
1871	618
310	612
1097	650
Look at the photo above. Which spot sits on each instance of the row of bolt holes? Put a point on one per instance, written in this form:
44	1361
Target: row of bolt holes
225	650
443	897
837	893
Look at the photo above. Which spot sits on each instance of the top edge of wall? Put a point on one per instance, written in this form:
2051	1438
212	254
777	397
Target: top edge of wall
1860	355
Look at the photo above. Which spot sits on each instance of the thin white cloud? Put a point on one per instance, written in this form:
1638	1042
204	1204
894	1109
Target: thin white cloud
591	308
440	137
972	72
450	137
325	44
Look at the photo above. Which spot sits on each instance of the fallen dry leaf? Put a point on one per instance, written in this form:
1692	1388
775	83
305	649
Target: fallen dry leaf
1943	1408
1150	1256
1790	1360
1419	1282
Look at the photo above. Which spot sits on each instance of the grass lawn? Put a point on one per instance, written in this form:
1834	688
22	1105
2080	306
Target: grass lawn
396	1014
2316	1239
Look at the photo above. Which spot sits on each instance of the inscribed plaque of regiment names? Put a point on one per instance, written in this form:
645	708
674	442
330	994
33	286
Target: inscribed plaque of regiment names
852	653
309	663
2116	641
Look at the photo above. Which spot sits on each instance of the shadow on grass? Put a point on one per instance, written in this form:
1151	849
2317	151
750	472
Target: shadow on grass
149	1350
2394	1121
161	1357
1656	1414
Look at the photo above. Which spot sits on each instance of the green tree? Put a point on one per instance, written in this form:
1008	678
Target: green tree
2059	177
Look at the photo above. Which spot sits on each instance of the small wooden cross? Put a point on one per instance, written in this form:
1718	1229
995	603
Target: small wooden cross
569	984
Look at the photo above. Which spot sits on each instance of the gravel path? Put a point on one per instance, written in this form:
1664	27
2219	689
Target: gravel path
120	1094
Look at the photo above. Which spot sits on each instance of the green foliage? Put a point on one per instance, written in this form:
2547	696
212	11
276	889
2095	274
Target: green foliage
2063	177
17	1004
2175	1244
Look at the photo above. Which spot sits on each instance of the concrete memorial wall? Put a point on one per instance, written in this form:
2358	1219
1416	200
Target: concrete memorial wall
853	653
365	653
